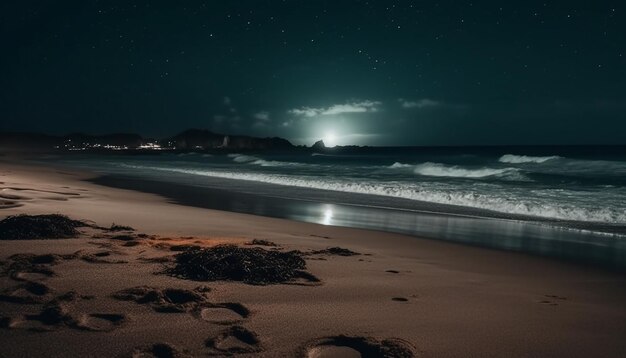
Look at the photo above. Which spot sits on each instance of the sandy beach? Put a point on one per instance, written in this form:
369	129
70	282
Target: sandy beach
432	298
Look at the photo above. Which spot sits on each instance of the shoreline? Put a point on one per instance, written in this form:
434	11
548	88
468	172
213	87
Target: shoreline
452	300
348	198
268	184
532	237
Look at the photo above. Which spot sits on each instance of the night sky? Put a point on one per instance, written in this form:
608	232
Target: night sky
363	72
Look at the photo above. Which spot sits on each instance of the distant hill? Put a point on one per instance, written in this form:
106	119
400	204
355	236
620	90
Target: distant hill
191	139
202	138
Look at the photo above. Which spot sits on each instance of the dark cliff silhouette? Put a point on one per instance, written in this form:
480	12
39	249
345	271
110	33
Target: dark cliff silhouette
205	139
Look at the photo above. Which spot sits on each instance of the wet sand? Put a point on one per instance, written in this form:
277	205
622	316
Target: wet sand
435	298
593	244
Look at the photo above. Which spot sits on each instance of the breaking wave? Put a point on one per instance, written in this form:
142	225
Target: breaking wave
241	158
505	202
519	159
453	171
398	165
249	159
442	170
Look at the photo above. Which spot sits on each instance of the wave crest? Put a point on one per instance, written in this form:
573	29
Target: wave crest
398	165
250	159
442	170
241	158
501	202
519	159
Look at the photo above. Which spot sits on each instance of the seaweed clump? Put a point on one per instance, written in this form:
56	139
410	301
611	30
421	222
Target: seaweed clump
34	227
261	242
254	266
338	251
115	227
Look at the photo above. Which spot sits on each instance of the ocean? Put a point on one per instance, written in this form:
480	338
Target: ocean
464	194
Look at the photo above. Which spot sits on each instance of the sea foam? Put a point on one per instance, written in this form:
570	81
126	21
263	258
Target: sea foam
442	170
249	159
519	159
504	202
398	165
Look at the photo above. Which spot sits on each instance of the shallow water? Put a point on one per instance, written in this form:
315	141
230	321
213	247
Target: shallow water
540	238
559	183
567	202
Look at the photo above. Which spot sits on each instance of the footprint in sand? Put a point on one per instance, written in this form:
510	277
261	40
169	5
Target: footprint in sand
235	340
175	300
223	313
30	270
28	292
552	300
159	350
23	267
167	300
100	322
57	314
304	278
548	303
126	240
31	276
347	346
30	263
156	259
32	259
99	258
333	352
